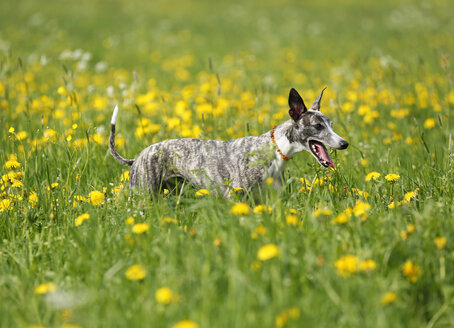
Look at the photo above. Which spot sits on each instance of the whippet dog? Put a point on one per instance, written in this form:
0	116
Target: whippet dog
244	162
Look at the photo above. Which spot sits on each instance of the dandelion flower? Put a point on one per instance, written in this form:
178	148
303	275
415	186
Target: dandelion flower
372	176
202	192
12	164
135	272
140	228
259	209
388	298
125	176
45	288
96	197
4	204
392	177
164	295
267	252
429	123
81	218
269	181
411	271
367	265
322	212
186	324
21	135
347	265
292	220
240	209
130	220
33	199
440	242
11	130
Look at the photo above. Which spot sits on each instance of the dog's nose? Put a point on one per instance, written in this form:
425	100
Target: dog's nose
343	144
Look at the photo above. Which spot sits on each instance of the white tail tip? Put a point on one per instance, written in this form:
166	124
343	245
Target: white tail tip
114	116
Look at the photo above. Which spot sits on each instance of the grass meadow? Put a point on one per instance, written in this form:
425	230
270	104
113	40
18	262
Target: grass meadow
369	244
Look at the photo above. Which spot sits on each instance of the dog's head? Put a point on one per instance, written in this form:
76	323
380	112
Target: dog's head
312	129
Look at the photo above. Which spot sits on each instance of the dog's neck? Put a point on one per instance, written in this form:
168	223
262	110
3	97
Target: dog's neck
281	136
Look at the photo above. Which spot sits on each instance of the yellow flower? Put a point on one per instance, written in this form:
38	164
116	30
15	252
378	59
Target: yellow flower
388	298
347	265
130	220
341	218
11	130
367	265
267	252
12	164
50	134
429	123
269	181
33	199
53	185
186	324
392	205
166	191
4	204
21	135
411	271
45	288
392	177
240	209
168	220
259	209
361	209
292	220
202	192
217	242
440	242
125	176
140	228
164	295
96	197
411	228
372	176
135	272
322	211
81	218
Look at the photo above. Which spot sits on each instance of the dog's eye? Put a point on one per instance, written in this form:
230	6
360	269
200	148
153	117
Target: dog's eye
319	126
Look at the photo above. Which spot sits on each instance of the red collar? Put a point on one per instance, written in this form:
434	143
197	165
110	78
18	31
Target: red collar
285	158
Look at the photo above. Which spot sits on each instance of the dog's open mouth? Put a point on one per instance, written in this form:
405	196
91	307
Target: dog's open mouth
321	153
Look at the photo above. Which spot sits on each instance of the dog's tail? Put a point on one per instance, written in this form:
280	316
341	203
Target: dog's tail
112	149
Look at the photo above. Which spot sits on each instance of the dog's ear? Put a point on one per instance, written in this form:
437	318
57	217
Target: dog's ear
296	103
316	104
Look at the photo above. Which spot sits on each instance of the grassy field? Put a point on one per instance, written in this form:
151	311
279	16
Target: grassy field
369	244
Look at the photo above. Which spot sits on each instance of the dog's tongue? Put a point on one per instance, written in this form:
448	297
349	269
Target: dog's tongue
323	153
